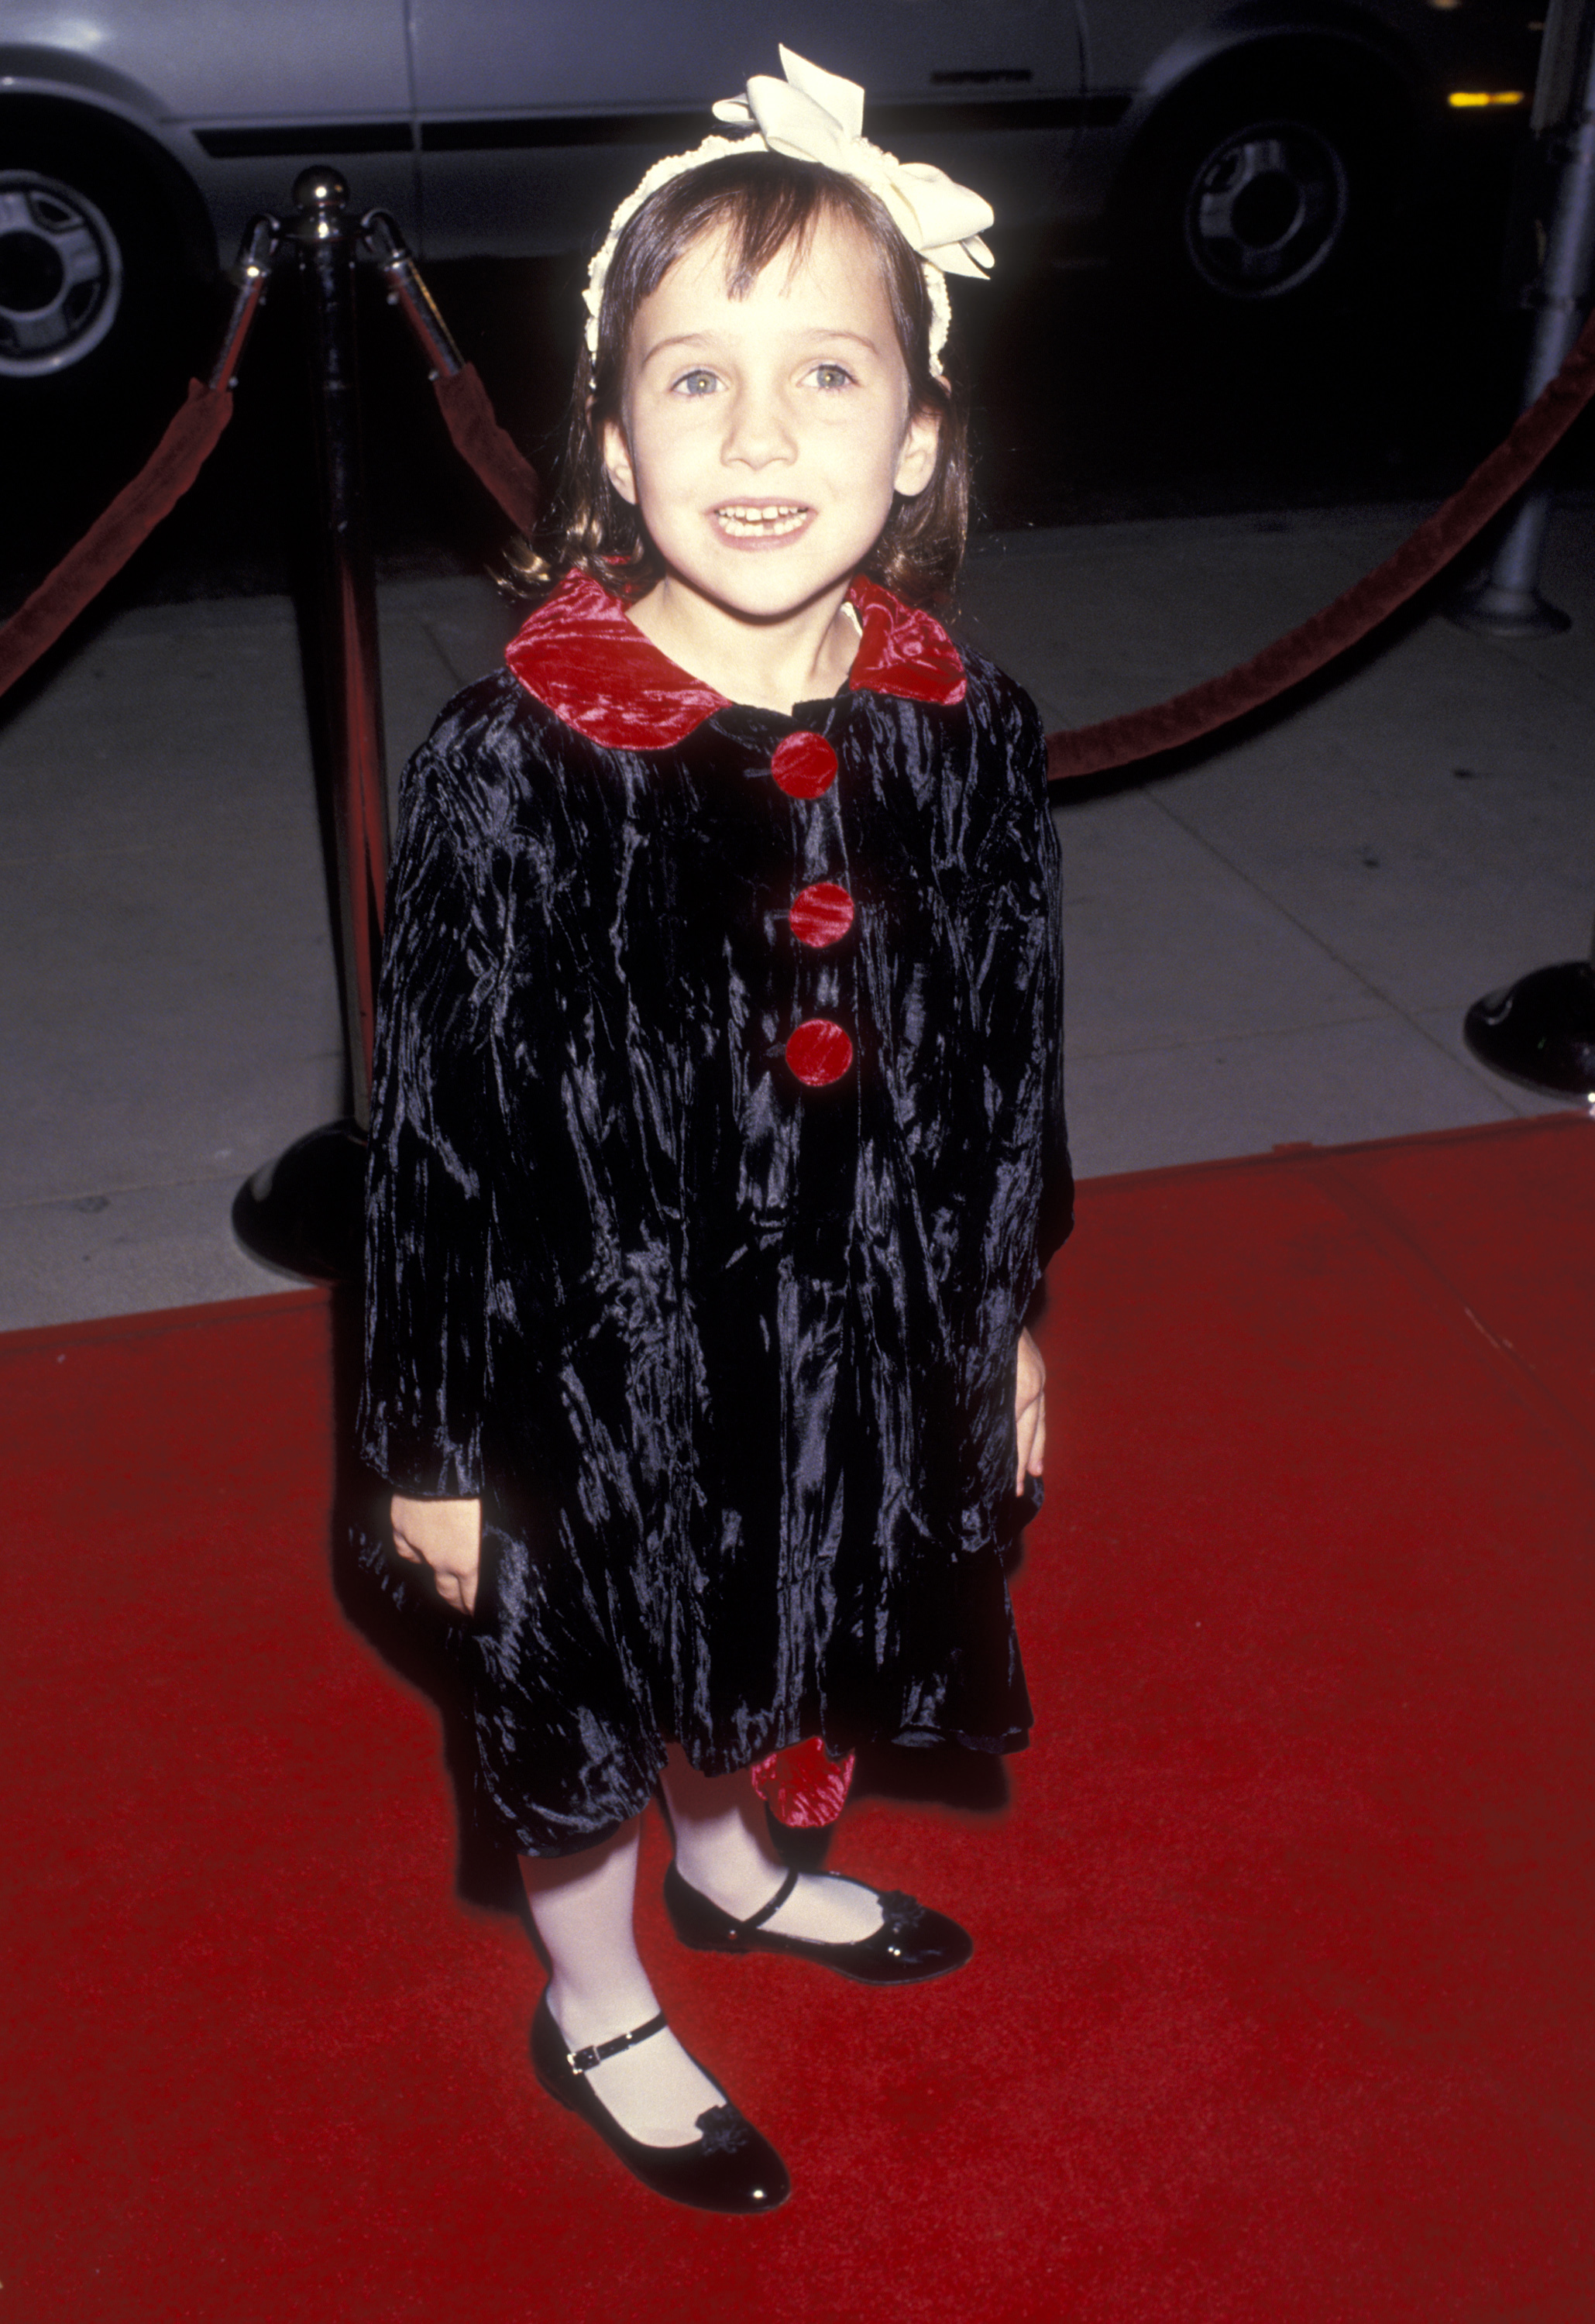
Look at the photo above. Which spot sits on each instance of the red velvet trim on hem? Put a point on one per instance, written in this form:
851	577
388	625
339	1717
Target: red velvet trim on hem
583	656
801	1786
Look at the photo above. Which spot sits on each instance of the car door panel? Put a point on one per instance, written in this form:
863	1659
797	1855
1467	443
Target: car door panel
299	60
536	118
244	98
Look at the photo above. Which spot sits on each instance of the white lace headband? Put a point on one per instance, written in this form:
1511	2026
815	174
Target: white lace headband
816	117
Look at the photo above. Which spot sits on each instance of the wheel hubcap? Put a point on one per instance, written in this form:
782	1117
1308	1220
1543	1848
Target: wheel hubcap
61	275
1265	210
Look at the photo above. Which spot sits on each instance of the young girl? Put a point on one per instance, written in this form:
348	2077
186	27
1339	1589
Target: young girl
717	1144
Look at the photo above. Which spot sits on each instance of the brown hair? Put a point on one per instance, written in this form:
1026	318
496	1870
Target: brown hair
764	202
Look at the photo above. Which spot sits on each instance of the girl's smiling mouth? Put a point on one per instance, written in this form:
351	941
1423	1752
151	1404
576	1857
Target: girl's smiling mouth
758	522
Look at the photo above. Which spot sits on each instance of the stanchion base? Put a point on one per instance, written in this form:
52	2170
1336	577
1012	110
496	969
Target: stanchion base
1541	1030
1494	610
304	1213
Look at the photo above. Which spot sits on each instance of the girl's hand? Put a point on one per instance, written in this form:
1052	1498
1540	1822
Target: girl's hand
445	1537
1029	1409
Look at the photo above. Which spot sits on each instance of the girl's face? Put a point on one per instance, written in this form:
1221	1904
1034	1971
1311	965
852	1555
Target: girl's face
762	438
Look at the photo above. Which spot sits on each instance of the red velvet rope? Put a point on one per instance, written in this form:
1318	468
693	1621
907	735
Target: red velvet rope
483	446
106	547
1165	725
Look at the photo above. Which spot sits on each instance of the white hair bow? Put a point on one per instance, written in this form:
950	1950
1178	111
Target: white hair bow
814	116
818	116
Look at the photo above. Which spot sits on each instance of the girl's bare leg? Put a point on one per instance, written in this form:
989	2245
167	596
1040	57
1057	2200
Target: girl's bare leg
581	1906
723	1850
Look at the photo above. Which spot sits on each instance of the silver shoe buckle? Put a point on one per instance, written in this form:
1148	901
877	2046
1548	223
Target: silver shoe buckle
582	2062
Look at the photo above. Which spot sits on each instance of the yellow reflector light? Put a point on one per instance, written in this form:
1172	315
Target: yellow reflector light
1467	99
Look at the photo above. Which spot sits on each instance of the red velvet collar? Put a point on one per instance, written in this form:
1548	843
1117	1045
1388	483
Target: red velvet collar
581	656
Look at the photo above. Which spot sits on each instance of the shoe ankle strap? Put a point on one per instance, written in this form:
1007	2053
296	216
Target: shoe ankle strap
582	2062
766	1911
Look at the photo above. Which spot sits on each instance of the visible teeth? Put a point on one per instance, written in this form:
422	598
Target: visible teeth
744	520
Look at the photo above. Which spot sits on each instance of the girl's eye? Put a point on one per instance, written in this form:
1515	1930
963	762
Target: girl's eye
697	383
832	375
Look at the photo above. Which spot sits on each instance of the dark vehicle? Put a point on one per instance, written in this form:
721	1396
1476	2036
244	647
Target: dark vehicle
1240	153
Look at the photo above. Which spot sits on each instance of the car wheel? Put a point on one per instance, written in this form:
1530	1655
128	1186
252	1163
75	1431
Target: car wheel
1266	194
1266	208
95	285
61	274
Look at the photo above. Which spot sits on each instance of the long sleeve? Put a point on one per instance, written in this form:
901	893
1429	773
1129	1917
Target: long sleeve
1057	1175
1019	944
436	1120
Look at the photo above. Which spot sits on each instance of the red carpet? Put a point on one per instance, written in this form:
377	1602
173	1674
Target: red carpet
1281	2005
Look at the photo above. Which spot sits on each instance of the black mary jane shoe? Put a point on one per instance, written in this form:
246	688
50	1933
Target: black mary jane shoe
912	1944
727	2167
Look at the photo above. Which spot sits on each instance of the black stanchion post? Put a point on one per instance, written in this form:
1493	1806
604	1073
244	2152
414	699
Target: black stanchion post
326	236
1506	602
303	1213
1540	1032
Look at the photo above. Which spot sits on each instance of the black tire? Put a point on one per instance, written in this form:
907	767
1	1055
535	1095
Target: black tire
1266	191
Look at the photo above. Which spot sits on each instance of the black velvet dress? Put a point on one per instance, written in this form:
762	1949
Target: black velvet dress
717	1144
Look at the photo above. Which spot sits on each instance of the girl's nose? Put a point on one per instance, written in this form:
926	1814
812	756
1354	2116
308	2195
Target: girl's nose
759	430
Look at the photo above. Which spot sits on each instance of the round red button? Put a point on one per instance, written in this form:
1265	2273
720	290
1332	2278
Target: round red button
804	765
819	1052
821	915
